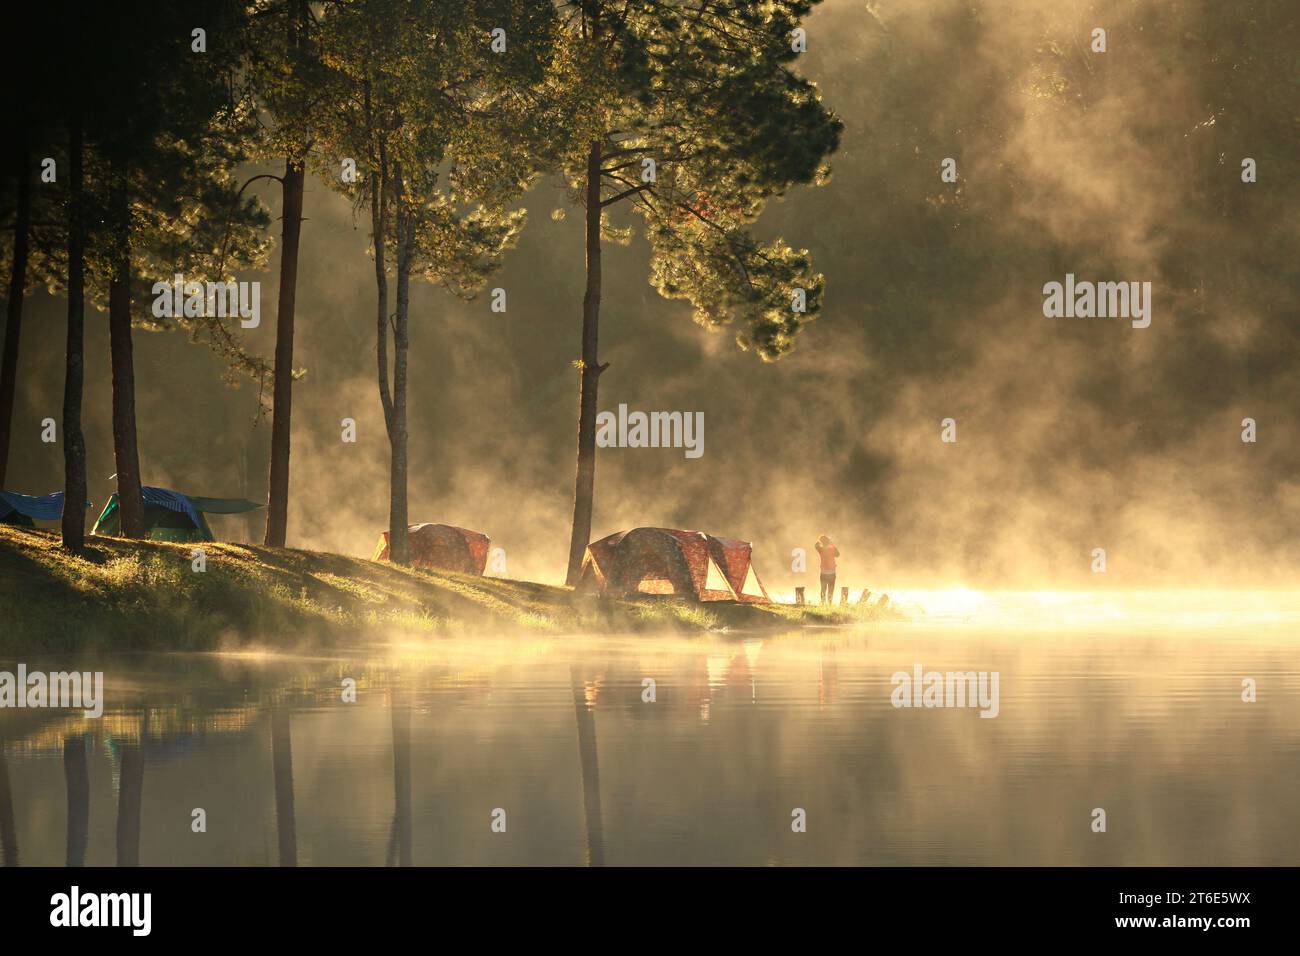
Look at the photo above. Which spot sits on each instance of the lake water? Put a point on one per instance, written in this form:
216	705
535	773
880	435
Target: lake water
744	730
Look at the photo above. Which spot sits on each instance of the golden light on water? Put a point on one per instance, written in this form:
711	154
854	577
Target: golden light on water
1149	609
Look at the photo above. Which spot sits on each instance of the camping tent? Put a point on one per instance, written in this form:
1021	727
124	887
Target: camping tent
26	510
692	564
172	516
441	547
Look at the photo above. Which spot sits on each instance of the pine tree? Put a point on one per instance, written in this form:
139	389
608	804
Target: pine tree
74	444
28	206
689	112
445	132
162	137
18	185
286	77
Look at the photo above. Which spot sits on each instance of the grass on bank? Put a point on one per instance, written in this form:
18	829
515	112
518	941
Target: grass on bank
137	595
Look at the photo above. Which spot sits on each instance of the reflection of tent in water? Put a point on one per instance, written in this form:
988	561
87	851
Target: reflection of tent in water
665	561
172	516
26	510
441	547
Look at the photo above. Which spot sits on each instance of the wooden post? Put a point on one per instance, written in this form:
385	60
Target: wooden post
798	596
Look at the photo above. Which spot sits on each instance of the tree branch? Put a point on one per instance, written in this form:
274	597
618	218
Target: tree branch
625	193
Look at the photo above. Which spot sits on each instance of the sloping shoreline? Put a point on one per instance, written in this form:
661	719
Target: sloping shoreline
145	595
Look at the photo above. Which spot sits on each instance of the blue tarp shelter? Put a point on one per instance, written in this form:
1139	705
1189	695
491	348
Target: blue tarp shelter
172	516
25	510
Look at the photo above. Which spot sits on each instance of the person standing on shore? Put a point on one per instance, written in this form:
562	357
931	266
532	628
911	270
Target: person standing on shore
828	553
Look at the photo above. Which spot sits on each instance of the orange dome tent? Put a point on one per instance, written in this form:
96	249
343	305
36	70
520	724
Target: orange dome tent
690	564
441	547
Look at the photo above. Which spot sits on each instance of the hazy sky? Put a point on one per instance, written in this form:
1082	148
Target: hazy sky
1073	434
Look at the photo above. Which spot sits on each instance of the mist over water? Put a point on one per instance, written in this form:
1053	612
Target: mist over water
1072	434
743	730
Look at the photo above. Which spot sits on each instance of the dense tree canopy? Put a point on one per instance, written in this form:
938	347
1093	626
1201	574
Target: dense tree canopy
691	113
435	127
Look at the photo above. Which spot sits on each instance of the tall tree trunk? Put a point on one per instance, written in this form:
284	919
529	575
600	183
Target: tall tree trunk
14	309
398	548
584	485
78	784
130	498
74	444
277	509
398	545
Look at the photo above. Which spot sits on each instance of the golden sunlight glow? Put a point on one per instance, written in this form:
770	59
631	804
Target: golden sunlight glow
1100	609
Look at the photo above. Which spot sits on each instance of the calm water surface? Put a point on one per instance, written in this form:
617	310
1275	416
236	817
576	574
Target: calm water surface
1148	724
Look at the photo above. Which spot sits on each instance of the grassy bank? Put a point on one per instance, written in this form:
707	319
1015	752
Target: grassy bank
144	595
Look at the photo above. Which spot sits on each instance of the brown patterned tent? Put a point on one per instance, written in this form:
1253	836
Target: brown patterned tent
667	561
441	547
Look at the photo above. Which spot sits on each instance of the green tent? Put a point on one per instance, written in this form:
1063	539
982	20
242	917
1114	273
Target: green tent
172	516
